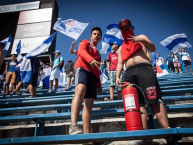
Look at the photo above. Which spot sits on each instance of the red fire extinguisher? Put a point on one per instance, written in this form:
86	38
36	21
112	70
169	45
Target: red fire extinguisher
131	107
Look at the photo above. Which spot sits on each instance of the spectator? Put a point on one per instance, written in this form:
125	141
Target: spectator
18	78
55	74
2	68
35	64
72	46
2	78
104	67
133	53
112	65
185	59
154	58
10	76
69	72
160	59
170	63
87	81
177	64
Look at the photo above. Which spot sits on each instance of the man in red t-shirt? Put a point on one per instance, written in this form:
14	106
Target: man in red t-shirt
87	81
112	65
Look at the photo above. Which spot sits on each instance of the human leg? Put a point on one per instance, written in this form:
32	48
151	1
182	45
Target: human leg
87	114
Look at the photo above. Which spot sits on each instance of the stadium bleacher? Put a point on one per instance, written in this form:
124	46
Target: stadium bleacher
47	107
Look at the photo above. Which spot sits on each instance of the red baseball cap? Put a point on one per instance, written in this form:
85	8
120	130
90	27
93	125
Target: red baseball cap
124	22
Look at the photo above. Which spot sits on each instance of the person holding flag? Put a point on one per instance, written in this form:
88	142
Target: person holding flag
87	81
55	74
133	54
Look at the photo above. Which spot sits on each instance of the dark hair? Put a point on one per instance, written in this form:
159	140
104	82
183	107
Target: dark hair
14	55
80	41
98	29
2	44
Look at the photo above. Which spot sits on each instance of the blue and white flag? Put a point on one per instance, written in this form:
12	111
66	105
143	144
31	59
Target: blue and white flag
40	49
45	77
70	27
175	41
161	70
7	43
25	68
18	50
112	35
103	77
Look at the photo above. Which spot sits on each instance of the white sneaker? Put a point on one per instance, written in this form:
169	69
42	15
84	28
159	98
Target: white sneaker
74	129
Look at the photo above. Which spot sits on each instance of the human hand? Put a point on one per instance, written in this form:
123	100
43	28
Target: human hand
54	68
135	38
73	43
118	81
96	64
99	90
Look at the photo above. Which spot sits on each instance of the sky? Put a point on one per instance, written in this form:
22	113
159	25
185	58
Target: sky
157	19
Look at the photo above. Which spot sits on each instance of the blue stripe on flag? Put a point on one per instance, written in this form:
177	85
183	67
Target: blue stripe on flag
111	26
175	42
110	39
26	76
10	38
49	39
162	67
18	50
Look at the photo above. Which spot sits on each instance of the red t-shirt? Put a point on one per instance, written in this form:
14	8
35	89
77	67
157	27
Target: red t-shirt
113	58
85	54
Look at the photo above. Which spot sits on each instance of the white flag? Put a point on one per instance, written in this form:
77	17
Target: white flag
70	27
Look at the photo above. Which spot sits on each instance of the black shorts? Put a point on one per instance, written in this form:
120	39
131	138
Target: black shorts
186	62
89	80
170	65
144	76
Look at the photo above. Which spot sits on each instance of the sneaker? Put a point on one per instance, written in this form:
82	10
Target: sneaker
74	129
17	92
25	92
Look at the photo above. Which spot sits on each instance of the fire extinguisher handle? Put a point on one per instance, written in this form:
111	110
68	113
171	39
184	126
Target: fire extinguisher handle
125	84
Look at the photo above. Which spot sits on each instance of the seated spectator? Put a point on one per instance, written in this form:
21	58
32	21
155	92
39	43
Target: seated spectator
10	76
185	59
177	64
170	63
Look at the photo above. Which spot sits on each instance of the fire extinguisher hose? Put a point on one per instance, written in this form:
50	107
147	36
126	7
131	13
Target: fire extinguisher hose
154	117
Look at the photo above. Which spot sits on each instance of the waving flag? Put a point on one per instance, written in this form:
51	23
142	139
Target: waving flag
7	43
175	41
161	70
45	77
103	77
18	50
70	27
112	35
42	47
25	68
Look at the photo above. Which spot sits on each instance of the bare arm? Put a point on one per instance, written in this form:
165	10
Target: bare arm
50	57
71	48
119	66
177	51
149	56
108	66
